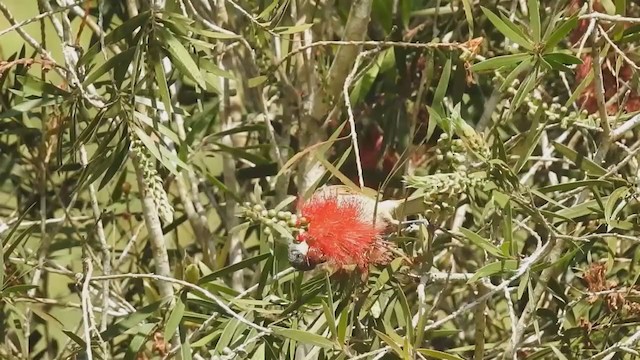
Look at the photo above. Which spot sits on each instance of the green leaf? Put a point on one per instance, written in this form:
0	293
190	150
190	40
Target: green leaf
534	19
233	268
227	334
441	89
482	242
389	340
163	88
590	207
304	337
256	81
530	142
508	30
582	162
563	187
130	321
174	318
438	354
180	57
330	318
500	61
494	268
562	58
560	33
578	91
525	89
523	66
558	353
287	30
124	30
154	149
468	14
75	338
17	289
612	201
141	333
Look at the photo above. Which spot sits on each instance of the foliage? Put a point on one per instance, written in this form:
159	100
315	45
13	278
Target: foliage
152	155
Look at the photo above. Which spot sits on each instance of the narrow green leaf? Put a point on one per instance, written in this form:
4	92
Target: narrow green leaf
558	353
494	268
174	318
441	89
154	149
525	89
468	14
141	333
522	286
482	242
330	318
523	66
438	354
530	142
582	162
575	185
121	60
389	340
581	87
612	201
256	81
344	323
287	30
131	320
180	57
534	19
500	61
509	31
560	33
163	87
227	335
590	207
233	268
562	58
124	30
304	337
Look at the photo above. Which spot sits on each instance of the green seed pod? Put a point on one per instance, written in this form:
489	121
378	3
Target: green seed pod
271	213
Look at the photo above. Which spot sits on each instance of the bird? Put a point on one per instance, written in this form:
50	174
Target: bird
346	226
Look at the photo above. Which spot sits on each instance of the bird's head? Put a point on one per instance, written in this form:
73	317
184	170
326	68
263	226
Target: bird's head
298	256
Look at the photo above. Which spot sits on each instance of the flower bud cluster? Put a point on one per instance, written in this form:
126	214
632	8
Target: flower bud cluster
451	154
554	111
286	220
442	191
152	181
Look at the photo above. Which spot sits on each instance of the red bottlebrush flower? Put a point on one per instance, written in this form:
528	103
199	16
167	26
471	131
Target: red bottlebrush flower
341	230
